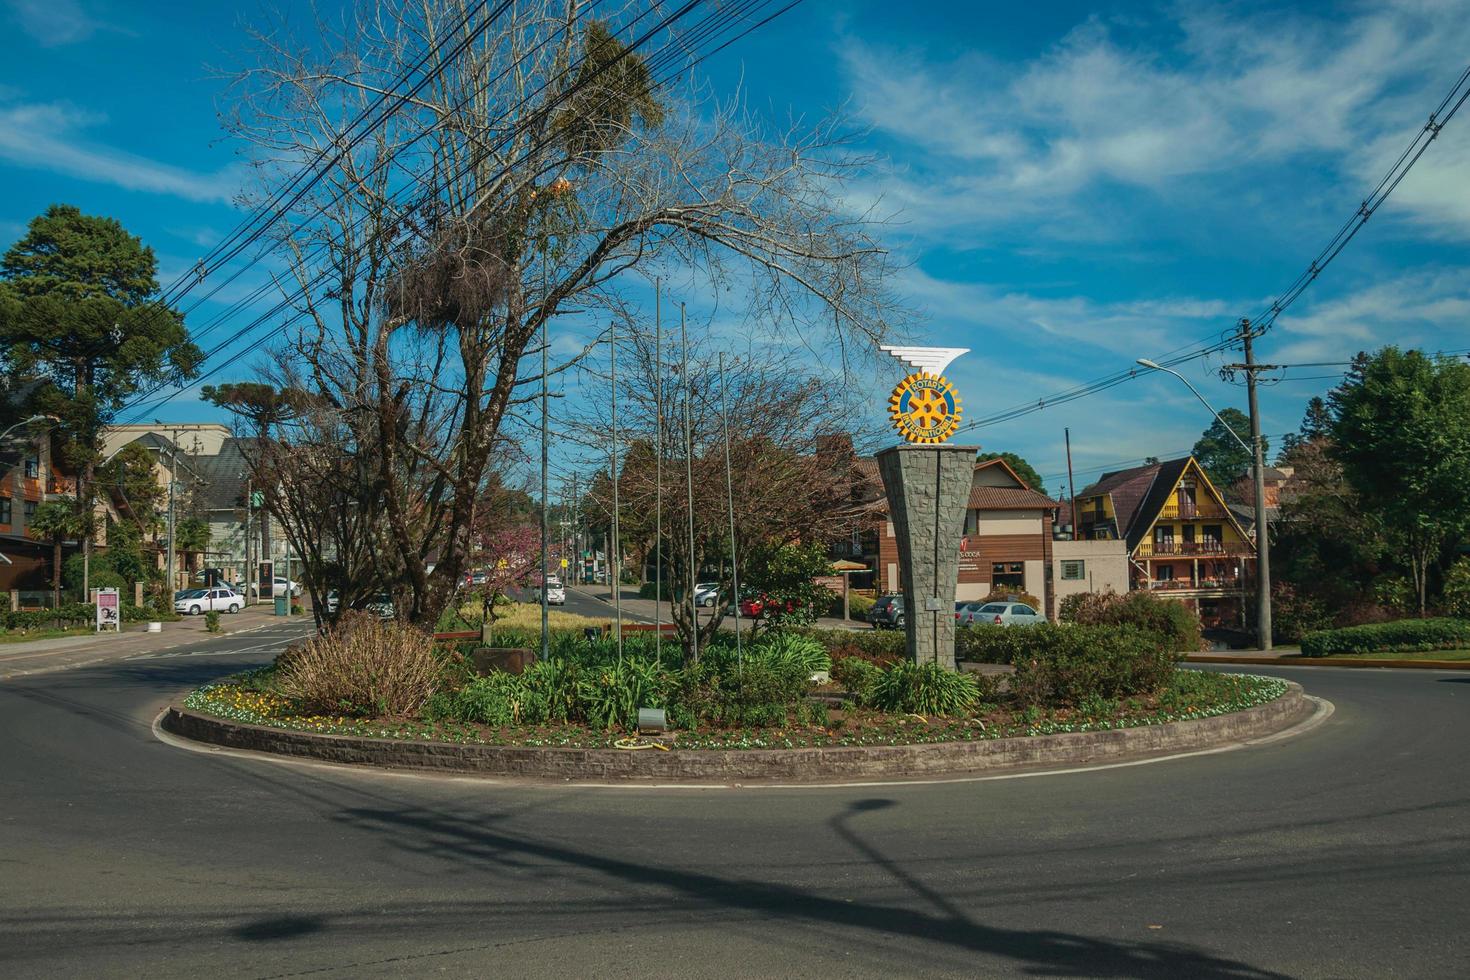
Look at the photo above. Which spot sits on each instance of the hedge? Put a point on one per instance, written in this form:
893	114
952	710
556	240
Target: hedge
1066	664
874	646
1400	636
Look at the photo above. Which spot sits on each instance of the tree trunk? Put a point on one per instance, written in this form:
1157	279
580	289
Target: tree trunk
56	575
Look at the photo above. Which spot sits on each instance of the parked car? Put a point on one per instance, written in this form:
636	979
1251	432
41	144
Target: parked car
1001	614
193	602
706	593
279	586
887	612
381	603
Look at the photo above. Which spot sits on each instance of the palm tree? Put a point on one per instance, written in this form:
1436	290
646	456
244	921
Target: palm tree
57	521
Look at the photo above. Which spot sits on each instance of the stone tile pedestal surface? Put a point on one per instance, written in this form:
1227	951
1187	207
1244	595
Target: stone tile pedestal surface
928	488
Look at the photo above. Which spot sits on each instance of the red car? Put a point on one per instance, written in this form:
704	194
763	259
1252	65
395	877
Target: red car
754	607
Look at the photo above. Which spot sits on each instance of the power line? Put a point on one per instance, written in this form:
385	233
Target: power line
710	28
1438	119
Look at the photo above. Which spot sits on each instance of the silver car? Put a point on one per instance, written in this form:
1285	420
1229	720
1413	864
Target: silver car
999	614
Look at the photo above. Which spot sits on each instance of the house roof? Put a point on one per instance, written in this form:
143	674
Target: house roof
1009	498
1000	461
221	476
1128	489
1166	476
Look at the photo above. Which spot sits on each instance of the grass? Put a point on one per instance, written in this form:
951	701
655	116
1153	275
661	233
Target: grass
1405	655
45	634
527	615
251	699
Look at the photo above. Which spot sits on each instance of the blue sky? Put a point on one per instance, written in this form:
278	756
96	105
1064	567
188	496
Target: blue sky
1073	186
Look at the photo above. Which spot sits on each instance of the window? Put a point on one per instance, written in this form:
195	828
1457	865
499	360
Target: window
1164	573
33	469
1007	575
29	510
1072	571
1212	536
5	510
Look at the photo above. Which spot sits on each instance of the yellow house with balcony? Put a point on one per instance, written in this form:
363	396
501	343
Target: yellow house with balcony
1182	539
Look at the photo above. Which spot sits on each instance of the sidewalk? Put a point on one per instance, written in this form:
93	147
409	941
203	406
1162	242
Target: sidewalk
35	656
647	608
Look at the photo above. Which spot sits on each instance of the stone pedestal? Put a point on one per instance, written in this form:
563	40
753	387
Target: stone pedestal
928	488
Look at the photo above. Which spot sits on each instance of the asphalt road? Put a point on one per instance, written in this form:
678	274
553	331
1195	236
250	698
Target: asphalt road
1339	853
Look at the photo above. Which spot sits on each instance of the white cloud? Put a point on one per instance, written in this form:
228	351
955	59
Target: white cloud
57	22
983	143
46	136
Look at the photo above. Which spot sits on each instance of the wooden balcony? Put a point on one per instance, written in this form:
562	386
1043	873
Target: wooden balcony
1194	549
1204	586
1176	510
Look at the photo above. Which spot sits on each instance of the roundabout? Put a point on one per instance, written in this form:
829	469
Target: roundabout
1283	713
1339	852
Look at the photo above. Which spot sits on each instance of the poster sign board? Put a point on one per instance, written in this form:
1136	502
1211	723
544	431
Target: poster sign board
265	580
109	610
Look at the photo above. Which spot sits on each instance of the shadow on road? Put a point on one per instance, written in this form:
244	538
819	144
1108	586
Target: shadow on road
1040	951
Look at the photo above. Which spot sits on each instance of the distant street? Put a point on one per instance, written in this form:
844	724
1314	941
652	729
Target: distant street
1340	853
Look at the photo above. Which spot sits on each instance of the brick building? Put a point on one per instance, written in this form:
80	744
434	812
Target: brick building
1007	543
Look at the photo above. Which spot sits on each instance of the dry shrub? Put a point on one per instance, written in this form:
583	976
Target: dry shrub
363	666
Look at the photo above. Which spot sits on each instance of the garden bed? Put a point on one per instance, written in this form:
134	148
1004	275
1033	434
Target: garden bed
233	715
1191	696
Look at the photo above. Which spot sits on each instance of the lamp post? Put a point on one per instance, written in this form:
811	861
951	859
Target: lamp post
1263	543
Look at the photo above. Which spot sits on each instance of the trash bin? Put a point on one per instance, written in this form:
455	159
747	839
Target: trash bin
281	609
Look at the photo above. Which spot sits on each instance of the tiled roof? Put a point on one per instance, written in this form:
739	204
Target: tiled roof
1166	475
1009	498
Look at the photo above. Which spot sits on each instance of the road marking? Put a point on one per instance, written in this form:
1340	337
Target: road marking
1323	711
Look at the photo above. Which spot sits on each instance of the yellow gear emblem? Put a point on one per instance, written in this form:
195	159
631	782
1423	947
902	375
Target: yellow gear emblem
924	408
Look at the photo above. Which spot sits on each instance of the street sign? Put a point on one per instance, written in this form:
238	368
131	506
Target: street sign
257	499
109	610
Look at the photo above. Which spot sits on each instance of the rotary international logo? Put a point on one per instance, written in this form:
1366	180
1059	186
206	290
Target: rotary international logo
924	407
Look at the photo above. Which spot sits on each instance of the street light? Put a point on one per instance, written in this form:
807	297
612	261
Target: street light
1263	545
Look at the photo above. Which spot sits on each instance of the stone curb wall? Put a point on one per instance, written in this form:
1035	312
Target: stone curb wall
723	766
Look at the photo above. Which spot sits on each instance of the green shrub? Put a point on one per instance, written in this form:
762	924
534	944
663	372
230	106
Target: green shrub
925	689
858	606
1399	636
1063	665
986	643
803	652
876	646
609	696
857	676
723	691
498	698
1167	618
211	621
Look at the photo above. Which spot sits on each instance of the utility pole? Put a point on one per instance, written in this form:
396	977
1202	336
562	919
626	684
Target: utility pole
689	484
246	583
1071	487
615	549
1263	530
173	478
730	504
545	342
658	471
576	566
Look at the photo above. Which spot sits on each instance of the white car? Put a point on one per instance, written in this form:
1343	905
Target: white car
556	593
279	586
706	593
193	602
999	614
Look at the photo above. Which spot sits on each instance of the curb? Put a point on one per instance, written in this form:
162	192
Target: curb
1210	658
724	766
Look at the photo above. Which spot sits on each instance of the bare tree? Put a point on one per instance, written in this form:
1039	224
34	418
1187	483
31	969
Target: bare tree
793	466
545	169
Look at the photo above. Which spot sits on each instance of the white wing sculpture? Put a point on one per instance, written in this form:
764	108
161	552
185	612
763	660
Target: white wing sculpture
930	359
